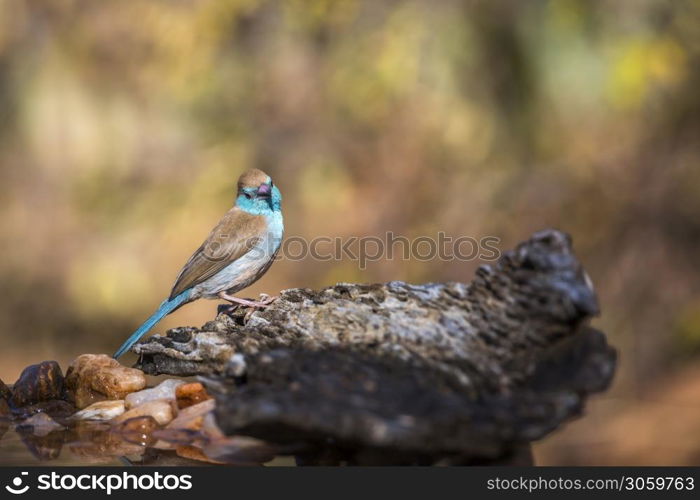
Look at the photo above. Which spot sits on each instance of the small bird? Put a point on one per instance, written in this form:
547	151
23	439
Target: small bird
238	251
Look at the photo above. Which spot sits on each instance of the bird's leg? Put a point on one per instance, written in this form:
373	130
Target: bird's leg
245	302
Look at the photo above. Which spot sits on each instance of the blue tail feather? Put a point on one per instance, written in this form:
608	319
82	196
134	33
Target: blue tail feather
165	308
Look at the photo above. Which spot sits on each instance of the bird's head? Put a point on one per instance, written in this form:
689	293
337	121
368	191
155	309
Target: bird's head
257	193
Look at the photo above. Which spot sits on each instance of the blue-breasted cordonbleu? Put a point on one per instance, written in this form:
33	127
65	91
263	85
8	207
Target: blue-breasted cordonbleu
238	251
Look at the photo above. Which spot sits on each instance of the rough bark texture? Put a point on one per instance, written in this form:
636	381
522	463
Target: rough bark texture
407	373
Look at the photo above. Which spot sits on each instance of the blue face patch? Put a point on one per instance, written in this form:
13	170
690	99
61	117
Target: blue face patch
249	201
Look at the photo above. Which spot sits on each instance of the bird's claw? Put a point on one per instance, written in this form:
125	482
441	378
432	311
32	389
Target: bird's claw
251	305
266	299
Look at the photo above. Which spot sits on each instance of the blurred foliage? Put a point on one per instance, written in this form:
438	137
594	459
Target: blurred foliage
125	125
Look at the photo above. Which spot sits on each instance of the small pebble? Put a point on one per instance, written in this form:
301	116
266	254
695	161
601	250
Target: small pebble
191	394
102	410
164	390
192	417
161	410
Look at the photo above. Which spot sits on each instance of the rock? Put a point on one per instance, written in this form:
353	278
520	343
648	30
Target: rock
96	377
192	417
164	390
41	424
138	430
37	383
394	410
401	373
474	332
161	410
102	410
203	351
191	394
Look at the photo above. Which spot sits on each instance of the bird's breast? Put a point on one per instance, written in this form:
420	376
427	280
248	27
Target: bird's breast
247	269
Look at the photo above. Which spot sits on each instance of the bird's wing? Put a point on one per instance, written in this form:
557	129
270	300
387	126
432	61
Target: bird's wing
234	236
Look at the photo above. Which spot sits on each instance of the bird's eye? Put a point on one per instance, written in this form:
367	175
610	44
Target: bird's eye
247	194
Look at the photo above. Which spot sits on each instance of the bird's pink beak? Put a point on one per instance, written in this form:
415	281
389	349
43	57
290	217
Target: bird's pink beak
264	190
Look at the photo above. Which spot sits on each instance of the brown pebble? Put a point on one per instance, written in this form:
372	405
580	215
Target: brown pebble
97	377
191	394
162	410
37	383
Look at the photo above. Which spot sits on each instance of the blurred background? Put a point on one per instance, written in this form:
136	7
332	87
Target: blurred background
124	126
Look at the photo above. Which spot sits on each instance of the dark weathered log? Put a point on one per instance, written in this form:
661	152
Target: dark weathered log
438	371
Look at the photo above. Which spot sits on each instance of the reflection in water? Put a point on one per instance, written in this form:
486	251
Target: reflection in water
133	443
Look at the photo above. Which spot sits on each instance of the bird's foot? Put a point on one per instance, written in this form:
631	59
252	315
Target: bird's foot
265	301
237	312
235	303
